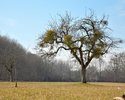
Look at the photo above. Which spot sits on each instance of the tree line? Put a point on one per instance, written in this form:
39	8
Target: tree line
18	64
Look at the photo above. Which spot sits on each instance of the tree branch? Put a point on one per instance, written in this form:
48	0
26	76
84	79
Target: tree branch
55	52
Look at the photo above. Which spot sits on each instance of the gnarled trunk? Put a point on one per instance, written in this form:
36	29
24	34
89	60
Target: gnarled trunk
83	74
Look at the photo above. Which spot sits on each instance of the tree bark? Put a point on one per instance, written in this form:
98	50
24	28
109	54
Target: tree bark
83	74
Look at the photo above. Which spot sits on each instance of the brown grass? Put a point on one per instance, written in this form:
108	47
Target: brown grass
60	91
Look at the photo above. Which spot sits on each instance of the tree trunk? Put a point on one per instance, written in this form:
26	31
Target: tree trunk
11	76
83	74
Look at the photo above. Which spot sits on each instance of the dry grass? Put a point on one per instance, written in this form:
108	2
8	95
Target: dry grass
60	91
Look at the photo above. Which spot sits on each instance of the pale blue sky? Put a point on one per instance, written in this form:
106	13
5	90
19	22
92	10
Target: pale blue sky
24	20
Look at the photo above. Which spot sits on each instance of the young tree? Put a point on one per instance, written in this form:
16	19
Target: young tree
84	38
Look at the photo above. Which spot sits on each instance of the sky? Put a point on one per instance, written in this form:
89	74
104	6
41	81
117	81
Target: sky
25	20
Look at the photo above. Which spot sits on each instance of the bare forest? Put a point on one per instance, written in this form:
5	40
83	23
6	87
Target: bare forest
18	64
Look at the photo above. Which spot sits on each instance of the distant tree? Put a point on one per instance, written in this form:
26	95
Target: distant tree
84	38
9	64
117	67
10	51
101	62
7	59
92	73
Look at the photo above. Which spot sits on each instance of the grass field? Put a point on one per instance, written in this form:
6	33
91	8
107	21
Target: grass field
60	91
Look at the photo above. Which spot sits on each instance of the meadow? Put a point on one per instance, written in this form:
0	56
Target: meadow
60	91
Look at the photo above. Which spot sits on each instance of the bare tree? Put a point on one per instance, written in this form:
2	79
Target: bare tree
84	38
101	62
117	66
10	51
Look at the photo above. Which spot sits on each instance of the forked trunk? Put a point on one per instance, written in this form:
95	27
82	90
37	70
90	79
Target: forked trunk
83	74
